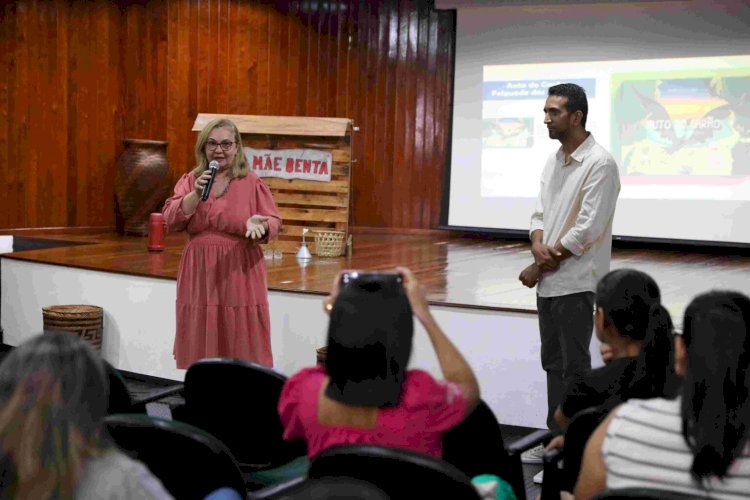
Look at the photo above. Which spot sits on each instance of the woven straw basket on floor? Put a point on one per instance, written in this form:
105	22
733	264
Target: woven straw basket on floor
82	320
329	243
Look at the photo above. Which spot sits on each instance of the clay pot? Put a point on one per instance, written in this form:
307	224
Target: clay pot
142	184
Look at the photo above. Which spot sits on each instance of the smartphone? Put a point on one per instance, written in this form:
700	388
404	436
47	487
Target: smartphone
367	277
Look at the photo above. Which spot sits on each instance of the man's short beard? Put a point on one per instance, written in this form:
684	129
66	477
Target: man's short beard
556	134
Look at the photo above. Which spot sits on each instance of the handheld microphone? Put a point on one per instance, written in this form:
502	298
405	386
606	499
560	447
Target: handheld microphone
213	167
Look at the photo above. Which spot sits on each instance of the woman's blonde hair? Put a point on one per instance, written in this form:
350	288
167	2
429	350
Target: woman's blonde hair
53	396
239	165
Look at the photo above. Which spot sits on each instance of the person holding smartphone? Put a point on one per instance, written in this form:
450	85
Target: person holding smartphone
364	394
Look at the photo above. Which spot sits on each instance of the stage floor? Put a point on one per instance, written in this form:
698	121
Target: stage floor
456	272
472	283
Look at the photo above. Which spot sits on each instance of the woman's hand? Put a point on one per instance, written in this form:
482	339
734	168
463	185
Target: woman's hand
256	227
415	293
201	182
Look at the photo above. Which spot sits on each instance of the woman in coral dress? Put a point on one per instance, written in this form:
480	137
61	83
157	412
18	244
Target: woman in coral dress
222	292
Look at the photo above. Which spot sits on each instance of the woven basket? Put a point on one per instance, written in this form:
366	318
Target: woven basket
329	243
82	320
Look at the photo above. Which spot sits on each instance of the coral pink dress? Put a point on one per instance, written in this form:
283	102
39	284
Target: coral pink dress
427	409
222	292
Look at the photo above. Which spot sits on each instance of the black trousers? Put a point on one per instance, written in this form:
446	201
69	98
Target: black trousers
565	325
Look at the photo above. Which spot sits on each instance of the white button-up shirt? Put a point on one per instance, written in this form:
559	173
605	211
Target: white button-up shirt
576	205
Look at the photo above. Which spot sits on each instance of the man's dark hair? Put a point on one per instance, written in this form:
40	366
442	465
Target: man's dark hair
576	98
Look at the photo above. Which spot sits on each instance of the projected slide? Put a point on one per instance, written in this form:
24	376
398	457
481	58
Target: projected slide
668	86
681	125
678	128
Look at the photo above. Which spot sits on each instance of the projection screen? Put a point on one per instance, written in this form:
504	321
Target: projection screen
668	85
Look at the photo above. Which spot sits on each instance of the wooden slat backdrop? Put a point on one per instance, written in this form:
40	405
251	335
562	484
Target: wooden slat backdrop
77	77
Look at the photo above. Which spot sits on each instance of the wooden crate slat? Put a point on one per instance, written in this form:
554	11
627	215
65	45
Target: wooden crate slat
335	186
316	200
342	156
295	231
281	125
340	169
265	141
312	214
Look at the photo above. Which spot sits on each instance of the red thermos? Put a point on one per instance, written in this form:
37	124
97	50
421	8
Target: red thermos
157	227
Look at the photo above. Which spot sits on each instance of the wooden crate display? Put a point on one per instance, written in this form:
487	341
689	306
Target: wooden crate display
302	203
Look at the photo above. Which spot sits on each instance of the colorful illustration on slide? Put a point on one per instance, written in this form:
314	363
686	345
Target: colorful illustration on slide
682	128
507	132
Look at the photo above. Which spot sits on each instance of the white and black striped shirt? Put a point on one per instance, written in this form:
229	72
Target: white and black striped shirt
644	447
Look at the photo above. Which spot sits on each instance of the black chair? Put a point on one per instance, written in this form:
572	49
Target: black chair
189	462
400	473
237	401
476	446
122	401
644	494
580	428
332	488
516	449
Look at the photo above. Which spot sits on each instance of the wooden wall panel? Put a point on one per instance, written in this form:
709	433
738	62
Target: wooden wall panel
77	77
7	33
57	105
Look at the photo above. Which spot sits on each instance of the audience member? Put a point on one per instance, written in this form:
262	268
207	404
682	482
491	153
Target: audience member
630	320
636	335
364	394
53	397
696	443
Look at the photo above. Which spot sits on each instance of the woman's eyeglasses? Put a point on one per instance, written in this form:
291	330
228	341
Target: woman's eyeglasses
225	145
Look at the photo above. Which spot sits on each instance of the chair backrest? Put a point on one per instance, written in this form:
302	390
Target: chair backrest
120	400
580	428
401	474
644	494
330	488
188	461
237	401
475	446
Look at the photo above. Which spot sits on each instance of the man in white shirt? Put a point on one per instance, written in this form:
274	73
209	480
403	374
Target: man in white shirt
571	239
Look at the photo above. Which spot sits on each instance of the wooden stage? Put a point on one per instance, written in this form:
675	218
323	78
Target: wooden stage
456	272
471	283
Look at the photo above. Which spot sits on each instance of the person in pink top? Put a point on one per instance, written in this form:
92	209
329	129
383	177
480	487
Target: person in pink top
222	292
364	394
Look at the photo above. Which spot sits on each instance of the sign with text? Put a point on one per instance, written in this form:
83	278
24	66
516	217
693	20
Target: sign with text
308	164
